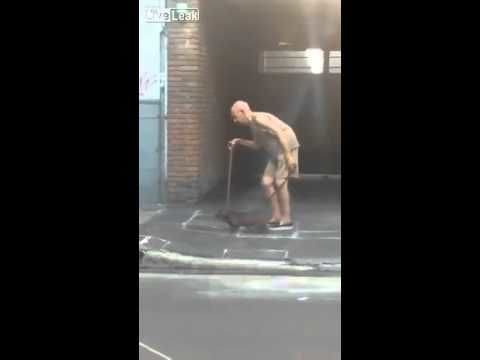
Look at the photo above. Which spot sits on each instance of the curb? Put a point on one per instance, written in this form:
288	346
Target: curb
158	258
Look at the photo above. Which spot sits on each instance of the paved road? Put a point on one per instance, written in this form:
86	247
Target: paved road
195	228
229	317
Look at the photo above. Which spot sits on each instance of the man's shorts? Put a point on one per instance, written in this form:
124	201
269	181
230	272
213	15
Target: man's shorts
277	168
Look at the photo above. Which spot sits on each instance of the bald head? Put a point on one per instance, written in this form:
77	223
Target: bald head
241	105
241	112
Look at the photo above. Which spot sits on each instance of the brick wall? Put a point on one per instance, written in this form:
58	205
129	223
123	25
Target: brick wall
195	138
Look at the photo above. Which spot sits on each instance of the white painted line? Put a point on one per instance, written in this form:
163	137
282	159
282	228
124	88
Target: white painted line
185	223
206	214
284	252
205	228
266	236
212	231
167	242
295	235
145	240
146	347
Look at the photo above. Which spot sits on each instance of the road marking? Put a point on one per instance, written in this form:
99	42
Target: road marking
146	347
293	235
284	252
209	231
297	235
146	216
185	223
206	228
145	240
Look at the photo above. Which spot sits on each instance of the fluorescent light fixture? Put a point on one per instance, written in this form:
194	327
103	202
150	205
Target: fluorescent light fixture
315	60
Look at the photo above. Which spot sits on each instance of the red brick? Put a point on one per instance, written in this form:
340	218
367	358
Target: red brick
189	92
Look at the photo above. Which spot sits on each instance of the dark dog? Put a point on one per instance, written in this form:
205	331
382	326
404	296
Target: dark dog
235	219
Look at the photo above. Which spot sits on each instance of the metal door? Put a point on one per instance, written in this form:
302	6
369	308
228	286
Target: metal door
152	139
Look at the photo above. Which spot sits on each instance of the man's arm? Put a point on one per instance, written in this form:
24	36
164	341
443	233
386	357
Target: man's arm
248	143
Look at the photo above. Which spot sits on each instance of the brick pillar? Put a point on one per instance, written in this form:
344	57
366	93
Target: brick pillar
187	106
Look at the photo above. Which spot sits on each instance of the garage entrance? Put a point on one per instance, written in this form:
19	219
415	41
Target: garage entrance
281	57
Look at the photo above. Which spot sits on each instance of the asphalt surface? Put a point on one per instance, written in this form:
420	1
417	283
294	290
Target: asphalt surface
230	317
194	229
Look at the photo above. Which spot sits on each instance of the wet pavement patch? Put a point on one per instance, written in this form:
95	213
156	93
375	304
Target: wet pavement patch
206	222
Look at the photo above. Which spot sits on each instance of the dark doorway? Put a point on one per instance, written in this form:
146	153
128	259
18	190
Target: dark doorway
239	32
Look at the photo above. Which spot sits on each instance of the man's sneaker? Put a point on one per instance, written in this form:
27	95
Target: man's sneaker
278	226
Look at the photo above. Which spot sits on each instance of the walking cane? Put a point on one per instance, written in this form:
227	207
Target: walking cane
227	203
